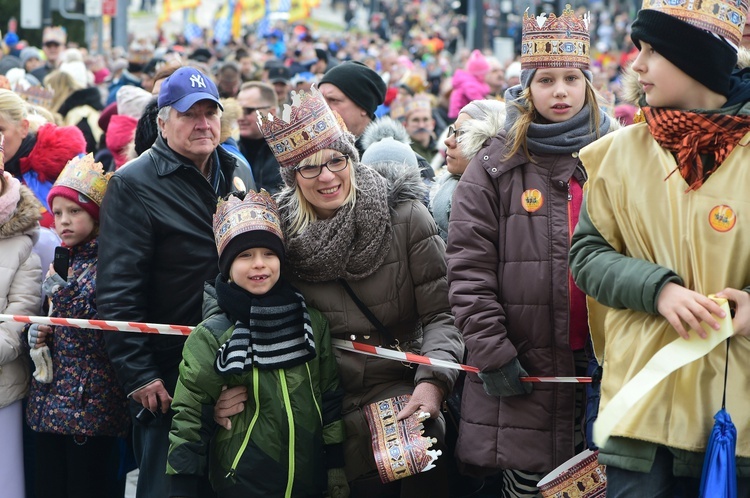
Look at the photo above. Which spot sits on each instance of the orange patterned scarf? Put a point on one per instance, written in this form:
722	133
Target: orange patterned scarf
689	135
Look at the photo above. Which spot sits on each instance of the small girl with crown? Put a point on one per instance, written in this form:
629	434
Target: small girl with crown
75	403
258	333
510	288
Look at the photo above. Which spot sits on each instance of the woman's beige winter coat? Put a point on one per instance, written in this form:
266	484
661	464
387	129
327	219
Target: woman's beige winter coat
20	294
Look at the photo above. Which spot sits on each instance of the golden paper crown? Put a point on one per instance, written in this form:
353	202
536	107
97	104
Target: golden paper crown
36	95
306	126
86	177
258	211
723	17
417	102
555	41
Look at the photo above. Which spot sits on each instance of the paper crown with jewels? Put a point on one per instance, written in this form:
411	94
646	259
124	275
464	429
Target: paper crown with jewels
555	41
36	95
258	211
420	101
86	177
725	18
305	126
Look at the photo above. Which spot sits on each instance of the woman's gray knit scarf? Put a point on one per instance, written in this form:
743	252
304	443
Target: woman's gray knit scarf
352	244
555	138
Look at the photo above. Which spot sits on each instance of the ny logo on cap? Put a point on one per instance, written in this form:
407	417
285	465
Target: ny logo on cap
197	80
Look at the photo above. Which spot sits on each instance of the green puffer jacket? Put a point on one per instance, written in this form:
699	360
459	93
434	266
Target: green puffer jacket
277	444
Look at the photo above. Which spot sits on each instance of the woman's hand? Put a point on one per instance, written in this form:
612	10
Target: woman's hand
231	402
426	397
741	300
678	304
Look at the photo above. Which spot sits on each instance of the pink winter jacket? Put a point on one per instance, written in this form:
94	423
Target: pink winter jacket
466	87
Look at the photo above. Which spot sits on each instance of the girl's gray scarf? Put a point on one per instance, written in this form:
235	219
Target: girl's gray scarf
352	244
555	138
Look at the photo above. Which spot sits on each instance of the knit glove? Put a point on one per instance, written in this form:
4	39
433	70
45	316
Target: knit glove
338	487
504	381
33	334
42	364
52	283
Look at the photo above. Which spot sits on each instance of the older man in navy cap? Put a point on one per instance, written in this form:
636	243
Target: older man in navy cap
156	248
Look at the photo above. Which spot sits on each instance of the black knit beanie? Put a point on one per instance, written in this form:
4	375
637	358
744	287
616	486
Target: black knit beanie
361	84
249	240
696	52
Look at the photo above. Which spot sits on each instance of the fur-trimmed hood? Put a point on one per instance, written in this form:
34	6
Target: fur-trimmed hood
404	182
475	132
25	219
384	127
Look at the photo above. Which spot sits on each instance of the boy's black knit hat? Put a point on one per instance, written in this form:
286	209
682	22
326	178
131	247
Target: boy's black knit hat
361	84
696	52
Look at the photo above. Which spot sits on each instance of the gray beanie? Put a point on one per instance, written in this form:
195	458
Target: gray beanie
29	53
345	145
389	150
481	109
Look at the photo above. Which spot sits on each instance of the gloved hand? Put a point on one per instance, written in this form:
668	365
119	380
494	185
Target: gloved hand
504	381
338	487
42	364
35	336
52	283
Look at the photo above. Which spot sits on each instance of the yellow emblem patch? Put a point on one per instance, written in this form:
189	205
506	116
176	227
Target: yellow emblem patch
532	200
722	218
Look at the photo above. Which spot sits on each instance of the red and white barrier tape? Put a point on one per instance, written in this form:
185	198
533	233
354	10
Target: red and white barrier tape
357	347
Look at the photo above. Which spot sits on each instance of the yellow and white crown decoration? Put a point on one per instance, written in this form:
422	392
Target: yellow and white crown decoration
420	101
86	177
305	126
555	41
258	211
725	18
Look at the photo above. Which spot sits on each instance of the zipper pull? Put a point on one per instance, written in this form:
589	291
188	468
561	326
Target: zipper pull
230	474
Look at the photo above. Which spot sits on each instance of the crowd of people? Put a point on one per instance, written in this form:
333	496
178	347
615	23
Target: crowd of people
566	213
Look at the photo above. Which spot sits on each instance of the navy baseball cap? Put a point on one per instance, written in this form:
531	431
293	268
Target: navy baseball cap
185	87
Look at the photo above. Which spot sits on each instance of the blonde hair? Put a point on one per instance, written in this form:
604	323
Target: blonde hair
528	114
39	116
12	107
301	213
232	112
63	85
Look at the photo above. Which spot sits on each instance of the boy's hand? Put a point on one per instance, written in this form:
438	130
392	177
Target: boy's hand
231	402
678	304
741	300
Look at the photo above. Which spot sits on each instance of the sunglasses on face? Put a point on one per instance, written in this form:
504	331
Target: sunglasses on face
334	165
51	44
250	110
453	131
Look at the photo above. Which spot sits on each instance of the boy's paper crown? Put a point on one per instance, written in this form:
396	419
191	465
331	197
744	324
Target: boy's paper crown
233	217
86	177
305	127
555	41
725	18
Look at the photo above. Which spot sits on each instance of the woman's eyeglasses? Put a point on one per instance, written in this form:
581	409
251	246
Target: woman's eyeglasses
334	164
452	130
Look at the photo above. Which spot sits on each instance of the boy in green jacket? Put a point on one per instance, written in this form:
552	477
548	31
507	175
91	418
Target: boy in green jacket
257	332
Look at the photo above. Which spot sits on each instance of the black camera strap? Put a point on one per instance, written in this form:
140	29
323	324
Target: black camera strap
384	333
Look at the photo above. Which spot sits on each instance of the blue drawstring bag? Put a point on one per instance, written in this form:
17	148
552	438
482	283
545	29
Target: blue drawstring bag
719	477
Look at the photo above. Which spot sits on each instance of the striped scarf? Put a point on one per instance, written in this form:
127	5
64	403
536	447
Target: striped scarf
271	332
690	135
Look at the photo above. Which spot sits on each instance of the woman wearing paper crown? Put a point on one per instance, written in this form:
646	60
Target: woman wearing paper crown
20	285
75	403
347	225
512	217
260	334
36	158
663	226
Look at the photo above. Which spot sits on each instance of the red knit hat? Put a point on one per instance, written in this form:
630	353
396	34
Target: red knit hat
87	204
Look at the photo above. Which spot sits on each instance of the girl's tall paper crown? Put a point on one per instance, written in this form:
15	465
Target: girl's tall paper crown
555	41
85	176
